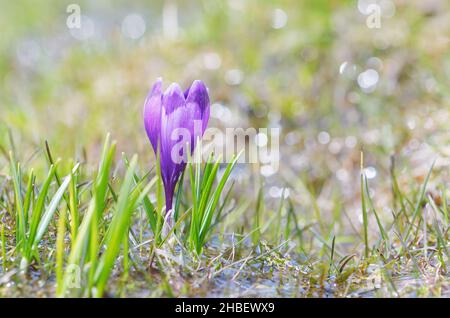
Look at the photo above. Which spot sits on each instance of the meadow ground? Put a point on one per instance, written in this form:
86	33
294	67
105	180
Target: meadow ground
358	206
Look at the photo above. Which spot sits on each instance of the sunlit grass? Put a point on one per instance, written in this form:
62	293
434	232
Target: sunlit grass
79	219
90	228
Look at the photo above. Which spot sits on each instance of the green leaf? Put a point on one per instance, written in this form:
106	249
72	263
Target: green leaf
46	217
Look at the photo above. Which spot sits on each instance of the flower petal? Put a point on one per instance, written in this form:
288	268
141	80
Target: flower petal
152	114
171	168
173	119
173	98
198	100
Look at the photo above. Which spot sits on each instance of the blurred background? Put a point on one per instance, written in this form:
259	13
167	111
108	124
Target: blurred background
332	75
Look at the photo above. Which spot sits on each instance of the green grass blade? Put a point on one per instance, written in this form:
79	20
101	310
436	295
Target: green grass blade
38	210
28	197
372	207
119	228
215	199
364	210
61	232
178	195
418	204
19	211
154	218
73	207
48	214
3	241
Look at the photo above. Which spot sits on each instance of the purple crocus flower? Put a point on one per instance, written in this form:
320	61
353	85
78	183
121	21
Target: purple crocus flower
171	119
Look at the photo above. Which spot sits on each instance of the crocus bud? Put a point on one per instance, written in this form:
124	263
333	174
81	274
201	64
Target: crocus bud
174	121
